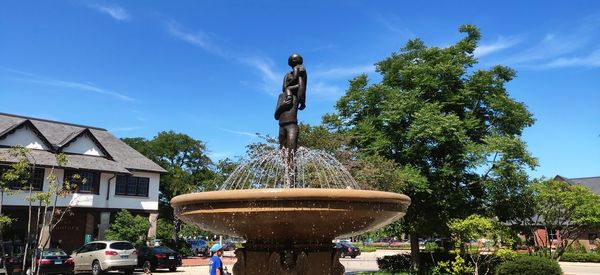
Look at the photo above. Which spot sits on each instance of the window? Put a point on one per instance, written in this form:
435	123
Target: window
86	181
122	246
132	186
36	179
552	235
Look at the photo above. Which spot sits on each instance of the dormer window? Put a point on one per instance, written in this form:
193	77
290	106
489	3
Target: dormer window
83	143
24	134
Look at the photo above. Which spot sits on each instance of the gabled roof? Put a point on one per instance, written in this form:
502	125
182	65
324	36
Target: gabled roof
84	132
26	123
591	182
59	134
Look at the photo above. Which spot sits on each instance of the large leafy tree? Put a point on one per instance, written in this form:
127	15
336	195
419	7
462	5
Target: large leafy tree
450	128
188	166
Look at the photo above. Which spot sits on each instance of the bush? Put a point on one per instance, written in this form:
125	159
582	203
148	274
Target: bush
576	247
581	257
529	265
127	227
395	263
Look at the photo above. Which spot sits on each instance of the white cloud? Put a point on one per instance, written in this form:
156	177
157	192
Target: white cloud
591	60
198	38
562	48
44	80
344	72
325	90
393	24
241	133
270	79
116	12
500	44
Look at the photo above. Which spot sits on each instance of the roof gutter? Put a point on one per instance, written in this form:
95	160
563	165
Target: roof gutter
108	188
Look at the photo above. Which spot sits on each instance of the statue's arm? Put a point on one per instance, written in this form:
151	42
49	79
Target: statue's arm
302	81
279	108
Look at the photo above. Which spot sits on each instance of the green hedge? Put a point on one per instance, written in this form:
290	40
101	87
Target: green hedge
581	257
529	265
395	263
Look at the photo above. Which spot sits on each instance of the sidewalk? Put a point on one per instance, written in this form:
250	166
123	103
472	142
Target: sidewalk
580	268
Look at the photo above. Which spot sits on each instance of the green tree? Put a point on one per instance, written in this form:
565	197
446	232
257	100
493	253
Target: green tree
453	127
48	215
479	229
189	169
563	207
128	227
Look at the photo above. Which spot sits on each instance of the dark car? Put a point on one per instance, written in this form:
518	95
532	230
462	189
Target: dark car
229	245
54	261
347	249
199	247
153	257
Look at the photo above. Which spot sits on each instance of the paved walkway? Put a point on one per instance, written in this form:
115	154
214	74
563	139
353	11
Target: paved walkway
363	263
580	268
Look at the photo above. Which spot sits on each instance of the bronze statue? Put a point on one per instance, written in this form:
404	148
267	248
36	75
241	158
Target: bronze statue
291	99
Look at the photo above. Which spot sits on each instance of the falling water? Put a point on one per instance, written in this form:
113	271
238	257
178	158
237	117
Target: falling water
310	169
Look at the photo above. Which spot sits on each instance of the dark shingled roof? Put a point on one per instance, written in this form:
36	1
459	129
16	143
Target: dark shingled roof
57	133
591	182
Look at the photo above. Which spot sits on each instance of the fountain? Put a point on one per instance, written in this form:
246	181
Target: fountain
290	203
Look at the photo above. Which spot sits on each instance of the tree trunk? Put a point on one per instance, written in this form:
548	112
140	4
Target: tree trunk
414	250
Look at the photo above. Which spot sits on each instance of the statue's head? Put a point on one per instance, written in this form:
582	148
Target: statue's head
295	59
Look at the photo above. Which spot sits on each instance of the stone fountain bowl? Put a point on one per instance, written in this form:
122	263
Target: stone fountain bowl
290	214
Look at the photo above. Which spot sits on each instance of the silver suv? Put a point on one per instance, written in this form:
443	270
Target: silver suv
101	256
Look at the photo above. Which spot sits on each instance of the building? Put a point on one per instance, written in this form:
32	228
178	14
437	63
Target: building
117	177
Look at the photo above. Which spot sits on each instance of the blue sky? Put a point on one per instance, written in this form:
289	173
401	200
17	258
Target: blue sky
139	67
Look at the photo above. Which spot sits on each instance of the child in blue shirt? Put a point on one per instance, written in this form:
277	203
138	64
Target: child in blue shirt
215	265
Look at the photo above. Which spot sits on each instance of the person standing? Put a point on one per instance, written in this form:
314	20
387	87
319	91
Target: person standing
215	265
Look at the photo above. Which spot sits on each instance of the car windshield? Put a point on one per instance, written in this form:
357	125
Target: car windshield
53	252
162	249
121	246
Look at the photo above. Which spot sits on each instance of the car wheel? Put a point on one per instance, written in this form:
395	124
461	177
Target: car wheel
128	271
96	269
353	257
147	267
172	269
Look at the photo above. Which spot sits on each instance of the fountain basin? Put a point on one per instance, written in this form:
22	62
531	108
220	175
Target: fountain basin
290	214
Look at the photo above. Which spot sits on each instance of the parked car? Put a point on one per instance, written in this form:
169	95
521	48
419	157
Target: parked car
101	256
347	249
151	258
54	261
229	245
199	247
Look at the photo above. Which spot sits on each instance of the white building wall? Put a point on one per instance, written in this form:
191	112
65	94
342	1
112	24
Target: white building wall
25	137
83	200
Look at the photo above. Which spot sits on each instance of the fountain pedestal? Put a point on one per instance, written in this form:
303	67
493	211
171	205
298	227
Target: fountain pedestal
290	230
291	259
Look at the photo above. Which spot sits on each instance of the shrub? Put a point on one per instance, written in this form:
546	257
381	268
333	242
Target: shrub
529	265
576	247
581	257
127	227
395	263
